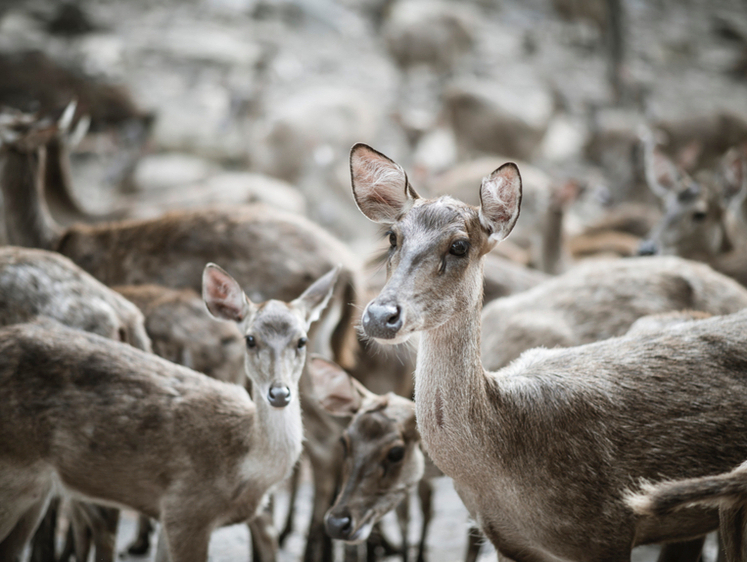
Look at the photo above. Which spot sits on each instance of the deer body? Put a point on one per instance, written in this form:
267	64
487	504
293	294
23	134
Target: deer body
111	424
601	299
543	451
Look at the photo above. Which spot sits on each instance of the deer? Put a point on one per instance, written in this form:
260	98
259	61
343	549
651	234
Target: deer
383	460
224	451
543	452
36	283
699	222
274	255
601	299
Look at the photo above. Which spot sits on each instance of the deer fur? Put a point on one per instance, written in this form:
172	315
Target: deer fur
383	461
37	283
544	451
182	331
223	451
601	299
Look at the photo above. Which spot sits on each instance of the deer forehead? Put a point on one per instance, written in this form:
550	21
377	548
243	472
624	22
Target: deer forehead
436	219
276	320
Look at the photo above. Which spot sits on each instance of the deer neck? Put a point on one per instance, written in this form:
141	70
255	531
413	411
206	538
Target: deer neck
27	217
450	383
278	433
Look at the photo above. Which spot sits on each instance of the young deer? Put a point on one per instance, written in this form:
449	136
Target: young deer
543	452
383	460
223	452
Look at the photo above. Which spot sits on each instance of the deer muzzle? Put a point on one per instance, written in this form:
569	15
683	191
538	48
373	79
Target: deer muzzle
279	395
382	321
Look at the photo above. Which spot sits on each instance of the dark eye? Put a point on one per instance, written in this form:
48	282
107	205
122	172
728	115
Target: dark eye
396	454
392	240
699	216
251	342
459	248
122	333
302	343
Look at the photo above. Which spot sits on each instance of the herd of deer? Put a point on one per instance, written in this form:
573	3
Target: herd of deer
613	414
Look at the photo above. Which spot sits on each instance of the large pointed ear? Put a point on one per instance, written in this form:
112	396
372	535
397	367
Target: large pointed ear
380	186
500	201
662	174
337	392
222	295
315	298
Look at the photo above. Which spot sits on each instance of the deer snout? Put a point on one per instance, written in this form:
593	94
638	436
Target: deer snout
279	395
382	321
648	248
339	525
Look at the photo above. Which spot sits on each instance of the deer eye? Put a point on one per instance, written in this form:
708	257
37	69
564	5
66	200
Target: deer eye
302	343
395	454
251	342
392	239
459	248
699	216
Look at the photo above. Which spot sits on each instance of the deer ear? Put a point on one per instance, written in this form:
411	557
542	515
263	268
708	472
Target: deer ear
315	298
222	295
336	390
662	175
500	201
380	186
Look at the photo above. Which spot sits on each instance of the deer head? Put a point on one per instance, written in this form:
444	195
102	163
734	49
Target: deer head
275	332
383	460
440	240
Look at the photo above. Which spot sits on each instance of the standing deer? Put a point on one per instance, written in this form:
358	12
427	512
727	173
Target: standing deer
544	451
272	255
110	423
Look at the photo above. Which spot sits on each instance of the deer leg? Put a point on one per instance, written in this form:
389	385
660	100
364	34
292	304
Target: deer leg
141	544
732	525
11	547
687	551
318	543
474	541
81	531
105	521
43	543
288	527
182	540
403	519
425	495
264	538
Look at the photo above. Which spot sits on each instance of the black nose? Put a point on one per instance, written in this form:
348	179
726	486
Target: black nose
279	395
647	248
382	320
339	525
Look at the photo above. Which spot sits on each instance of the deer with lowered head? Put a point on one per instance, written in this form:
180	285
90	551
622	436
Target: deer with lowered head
383	462
544	451
223	452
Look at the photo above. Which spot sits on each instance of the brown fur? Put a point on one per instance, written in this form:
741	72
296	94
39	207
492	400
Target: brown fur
543	451
599	300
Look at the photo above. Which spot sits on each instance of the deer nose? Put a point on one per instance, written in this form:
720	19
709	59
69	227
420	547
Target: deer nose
647	248
339	526
382	320
279	395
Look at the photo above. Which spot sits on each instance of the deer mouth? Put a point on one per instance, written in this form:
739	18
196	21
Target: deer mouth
363	531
